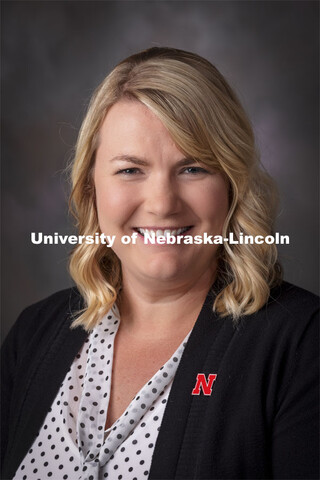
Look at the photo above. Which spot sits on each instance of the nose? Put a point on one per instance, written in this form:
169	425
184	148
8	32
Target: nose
162	197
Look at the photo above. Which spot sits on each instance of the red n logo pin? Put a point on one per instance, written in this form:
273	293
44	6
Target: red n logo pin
204	384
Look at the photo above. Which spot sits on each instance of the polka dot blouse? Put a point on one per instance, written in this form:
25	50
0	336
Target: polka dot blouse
72	442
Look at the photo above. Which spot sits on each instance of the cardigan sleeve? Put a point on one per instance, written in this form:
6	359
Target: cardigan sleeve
295	441
8	361
10	350
22	350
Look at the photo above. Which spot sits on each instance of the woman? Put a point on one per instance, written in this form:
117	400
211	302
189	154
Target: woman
172	359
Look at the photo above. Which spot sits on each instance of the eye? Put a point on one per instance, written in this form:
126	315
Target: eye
193	170
128	171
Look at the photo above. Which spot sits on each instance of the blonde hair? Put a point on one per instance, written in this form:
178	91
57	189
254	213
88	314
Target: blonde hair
207	122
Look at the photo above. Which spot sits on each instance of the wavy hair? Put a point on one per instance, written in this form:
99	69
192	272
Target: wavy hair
207	122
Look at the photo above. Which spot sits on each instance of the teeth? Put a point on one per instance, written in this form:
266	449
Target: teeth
160	233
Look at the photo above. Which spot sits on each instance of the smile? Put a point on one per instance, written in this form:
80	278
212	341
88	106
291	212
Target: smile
158	232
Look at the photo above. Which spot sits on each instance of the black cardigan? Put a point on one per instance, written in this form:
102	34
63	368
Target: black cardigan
260	422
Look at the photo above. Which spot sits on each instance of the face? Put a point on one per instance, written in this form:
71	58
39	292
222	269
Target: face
144	182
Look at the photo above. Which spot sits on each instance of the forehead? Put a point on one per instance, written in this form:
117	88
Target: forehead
130	125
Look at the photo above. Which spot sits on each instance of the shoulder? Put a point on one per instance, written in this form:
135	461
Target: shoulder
65	301
62	303
288	297
41	321
291	309
288	306
288	322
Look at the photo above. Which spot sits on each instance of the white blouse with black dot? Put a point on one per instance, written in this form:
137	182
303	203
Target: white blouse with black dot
72	443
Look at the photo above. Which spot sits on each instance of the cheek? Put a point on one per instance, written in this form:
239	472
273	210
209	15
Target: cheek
221	202
213	203
114	204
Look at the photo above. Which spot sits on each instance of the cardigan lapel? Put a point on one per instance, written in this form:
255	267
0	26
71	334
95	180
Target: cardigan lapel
166	455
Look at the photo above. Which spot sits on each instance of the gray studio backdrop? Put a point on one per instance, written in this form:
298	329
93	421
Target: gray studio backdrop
56	53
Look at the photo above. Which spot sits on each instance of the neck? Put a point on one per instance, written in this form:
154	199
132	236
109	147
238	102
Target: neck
148	312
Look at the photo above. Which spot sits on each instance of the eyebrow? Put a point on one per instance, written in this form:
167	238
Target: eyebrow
141	161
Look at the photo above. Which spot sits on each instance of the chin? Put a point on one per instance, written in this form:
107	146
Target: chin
161	270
